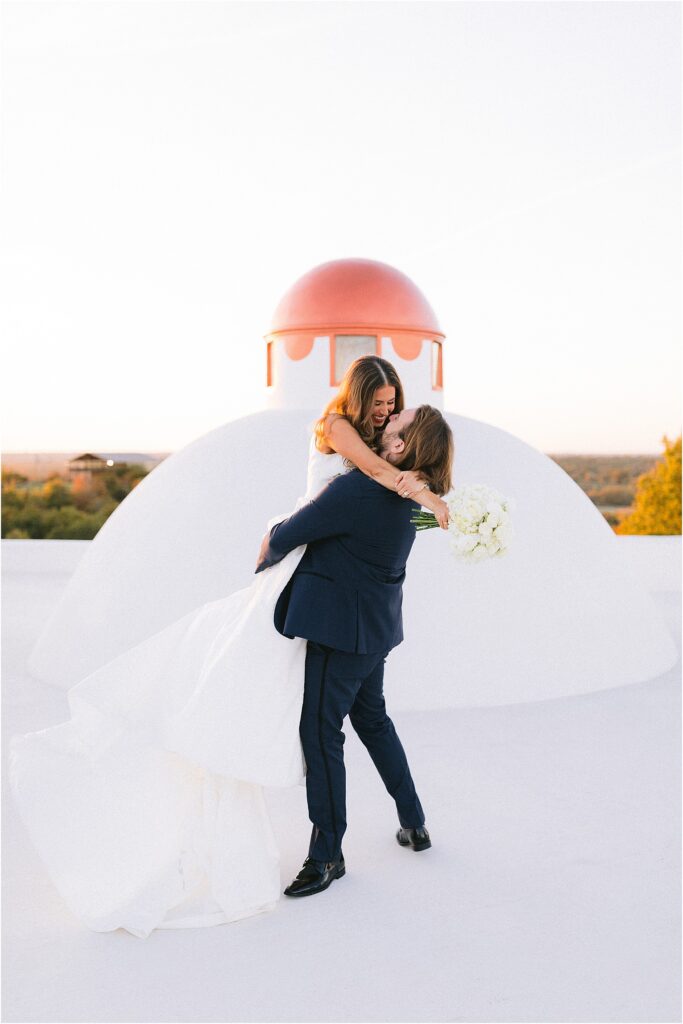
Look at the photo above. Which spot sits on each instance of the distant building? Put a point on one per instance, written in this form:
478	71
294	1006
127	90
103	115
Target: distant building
83	466
86	464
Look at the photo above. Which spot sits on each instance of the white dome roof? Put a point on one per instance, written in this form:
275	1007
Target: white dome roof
559	615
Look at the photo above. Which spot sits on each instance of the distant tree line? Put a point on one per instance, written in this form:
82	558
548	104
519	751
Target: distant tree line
59	508
636	494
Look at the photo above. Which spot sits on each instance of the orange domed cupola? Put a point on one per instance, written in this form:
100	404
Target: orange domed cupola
360	293
344	309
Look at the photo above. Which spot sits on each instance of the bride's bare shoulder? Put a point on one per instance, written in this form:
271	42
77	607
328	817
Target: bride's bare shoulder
328	426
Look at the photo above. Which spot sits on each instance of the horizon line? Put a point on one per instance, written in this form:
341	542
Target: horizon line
67	451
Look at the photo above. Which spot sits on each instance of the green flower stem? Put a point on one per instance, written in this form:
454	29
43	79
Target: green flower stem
424	520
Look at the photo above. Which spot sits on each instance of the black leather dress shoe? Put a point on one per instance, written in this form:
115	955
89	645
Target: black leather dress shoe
418	838
315	876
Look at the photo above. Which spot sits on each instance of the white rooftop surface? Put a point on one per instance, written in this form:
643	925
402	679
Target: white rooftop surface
551	892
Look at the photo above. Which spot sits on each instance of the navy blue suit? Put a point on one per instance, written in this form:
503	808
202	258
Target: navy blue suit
345	598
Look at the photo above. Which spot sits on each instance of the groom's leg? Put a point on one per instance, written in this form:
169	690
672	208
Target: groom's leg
331	683
376	730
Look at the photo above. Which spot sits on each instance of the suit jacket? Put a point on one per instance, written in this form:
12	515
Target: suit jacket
347	590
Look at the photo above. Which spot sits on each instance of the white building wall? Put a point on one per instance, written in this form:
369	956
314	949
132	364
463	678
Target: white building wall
415	374
560	614
300	383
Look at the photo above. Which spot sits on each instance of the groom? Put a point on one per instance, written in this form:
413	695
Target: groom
345	599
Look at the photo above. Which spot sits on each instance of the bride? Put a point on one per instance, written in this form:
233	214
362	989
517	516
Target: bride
147	806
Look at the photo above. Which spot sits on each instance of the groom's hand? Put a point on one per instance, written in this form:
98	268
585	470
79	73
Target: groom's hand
262	553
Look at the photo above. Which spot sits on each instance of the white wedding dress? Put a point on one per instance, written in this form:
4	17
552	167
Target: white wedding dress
147	806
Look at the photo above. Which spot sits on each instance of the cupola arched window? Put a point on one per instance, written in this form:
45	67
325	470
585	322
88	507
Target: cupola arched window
344	348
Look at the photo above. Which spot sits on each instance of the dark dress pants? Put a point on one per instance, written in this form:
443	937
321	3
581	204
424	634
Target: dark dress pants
339	684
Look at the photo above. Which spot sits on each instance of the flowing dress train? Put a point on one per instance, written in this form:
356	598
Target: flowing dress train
147	806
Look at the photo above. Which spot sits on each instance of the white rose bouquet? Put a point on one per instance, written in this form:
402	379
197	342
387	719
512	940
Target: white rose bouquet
479	522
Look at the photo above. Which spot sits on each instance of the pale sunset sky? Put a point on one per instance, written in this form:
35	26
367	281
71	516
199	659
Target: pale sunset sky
171	168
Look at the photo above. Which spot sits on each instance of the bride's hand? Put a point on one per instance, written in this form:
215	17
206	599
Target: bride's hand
437	506
440	510
409	484
413	485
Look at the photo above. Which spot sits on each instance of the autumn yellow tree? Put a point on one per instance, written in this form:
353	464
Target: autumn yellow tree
56	492
657	505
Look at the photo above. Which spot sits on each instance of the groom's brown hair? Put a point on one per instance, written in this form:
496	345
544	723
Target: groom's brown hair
428	448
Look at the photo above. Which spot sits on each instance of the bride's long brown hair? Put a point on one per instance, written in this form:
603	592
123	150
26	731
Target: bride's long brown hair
356	394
